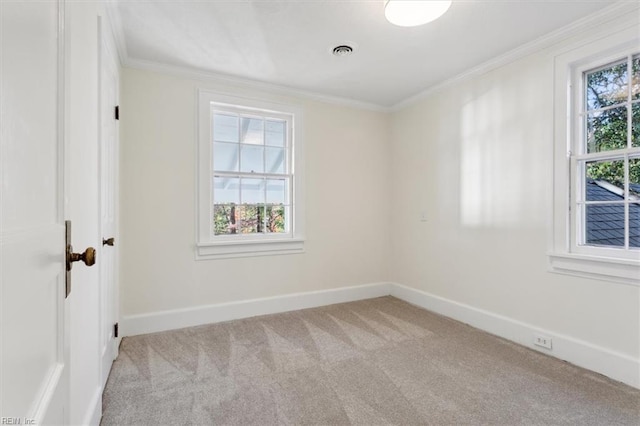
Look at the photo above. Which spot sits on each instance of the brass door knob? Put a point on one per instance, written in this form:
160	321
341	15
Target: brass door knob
88	257
108	241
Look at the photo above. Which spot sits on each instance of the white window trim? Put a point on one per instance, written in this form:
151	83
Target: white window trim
564	256
244	245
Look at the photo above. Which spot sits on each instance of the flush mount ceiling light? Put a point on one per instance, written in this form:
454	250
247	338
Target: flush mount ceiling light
410	13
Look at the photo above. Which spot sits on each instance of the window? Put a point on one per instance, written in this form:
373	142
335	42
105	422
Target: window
250	198
252	174
597	165
606	159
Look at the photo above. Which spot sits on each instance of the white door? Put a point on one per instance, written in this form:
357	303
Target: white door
34	343
109	88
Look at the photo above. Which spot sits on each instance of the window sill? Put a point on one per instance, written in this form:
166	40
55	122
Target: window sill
616	270
251	248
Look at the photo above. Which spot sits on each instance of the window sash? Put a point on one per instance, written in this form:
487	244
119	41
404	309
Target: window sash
578	158
288	175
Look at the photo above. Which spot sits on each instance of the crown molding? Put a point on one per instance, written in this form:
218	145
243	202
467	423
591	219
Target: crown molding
115	22
117	29
212	77
624	8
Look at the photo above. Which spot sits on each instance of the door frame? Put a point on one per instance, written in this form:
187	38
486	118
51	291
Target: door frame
107	52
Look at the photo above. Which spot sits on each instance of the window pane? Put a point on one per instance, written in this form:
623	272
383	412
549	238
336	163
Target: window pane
634	225
277	191
275	132
252	191
251	219
226	190
604	180
607	130
224	219
607	86
275	160
277	219
225	157
605	225
225	128
252	160
252	132
634	179
635	80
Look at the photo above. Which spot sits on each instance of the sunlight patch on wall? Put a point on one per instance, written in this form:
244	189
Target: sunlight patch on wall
503	172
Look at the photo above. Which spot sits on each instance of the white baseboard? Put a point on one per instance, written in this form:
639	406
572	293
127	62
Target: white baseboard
94	411
170	320
615	365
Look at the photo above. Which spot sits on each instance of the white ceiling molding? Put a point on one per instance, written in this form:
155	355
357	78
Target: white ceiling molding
209	76
621	8
277	89
616	11
115	22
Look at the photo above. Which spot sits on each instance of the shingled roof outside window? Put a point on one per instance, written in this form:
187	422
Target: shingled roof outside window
605	223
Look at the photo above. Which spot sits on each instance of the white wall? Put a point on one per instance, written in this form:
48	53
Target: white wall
477	157
347	176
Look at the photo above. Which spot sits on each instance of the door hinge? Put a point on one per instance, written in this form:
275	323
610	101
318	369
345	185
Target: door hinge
115	330
117	112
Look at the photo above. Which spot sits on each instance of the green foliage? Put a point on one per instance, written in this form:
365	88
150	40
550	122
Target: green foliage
275	218
248	219
224	219
607	130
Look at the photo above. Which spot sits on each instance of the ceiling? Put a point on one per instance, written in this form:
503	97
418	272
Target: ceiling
289	43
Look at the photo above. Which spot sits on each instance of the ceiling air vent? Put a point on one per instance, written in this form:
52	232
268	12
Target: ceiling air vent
342	50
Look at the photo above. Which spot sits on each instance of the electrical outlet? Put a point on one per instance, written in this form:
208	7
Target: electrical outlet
543	341
423	216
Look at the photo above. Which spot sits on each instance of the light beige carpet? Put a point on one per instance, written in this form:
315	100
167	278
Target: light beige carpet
379	361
